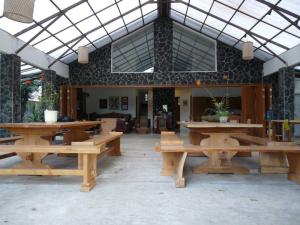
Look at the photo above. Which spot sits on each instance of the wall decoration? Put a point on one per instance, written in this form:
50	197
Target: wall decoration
114	102
103	103
124	103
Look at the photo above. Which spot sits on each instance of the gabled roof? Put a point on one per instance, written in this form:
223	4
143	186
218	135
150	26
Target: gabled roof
61	26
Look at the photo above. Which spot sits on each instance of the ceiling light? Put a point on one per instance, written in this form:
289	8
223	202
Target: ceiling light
19	10
248	53
83	55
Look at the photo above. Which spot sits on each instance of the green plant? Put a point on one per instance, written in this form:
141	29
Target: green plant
221	107
49	96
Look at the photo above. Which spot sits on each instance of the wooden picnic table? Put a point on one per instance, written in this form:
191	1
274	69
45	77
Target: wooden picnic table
218	134
42	134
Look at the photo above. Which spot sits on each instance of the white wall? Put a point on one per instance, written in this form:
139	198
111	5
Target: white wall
92	102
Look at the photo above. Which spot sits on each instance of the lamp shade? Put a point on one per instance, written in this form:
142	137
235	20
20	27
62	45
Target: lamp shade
83	55
248	50
198	83
19	10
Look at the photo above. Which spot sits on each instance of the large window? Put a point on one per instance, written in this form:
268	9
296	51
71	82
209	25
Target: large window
134	53
192	51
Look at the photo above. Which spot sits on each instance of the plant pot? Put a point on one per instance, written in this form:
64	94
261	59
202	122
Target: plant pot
223	119
50	116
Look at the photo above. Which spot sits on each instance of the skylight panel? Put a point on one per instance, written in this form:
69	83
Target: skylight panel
263	55
215	23
177	16
100	5
287	40
265	30
88	24
254	8
109	14
195	14
203	4
221	11
210	31
193	23
96	34
80	12
243	20
132	16
11	26
58	52
60	24
43	9
62	4
135	25
275	48
180	7
227	39
41	37
151	16
291	5
255	43
68	34
233	31
294	30
119	33
30	34
127	5
233	3
83	42
275	19
48	44
148	8
114	25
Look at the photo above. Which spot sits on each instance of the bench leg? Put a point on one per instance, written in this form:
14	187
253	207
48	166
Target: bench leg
116	147
273	162
170	160
89	162
180	180
294	162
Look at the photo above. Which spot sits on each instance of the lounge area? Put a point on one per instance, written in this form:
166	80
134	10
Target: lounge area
146	112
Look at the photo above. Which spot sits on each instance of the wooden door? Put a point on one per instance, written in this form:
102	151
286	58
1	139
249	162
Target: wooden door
260	109
72	102
248	102
63	101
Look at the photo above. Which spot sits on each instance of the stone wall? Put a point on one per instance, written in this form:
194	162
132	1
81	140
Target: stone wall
10	95
229	61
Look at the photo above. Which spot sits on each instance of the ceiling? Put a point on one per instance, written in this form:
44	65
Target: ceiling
60	27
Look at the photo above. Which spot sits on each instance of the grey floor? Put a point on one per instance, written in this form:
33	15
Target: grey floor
131	191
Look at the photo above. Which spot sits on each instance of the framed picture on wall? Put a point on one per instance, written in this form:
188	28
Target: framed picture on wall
113	102
124	103
103	103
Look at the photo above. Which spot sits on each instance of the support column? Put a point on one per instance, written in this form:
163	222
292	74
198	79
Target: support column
10	96
286	95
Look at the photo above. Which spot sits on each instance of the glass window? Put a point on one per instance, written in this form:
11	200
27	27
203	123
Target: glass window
192	51
134	53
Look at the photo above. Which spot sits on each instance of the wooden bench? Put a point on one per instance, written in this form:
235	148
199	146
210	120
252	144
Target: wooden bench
174	154
9	140
87	151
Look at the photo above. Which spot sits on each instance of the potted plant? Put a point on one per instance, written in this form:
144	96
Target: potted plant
221	109
49	98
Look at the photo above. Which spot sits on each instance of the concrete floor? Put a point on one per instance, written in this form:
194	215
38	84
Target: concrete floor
131	191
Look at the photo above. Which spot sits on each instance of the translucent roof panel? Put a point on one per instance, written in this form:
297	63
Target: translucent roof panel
94	23
269	24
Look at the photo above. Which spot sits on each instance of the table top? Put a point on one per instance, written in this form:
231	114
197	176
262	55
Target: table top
59	125
297	121
219	125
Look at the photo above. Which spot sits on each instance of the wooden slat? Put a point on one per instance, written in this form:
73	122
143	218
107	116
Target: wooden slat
250	139
99	139
170	138
252	148
10	139
49	149
43	172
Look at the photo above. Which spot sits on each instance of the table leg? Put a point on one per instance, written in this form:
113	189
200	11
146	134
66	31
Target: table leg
274	162
294	162
33	160
218	161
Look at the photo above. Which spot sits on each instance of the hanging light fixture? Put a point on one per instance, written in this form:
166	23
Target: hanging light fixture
248	53
83	55
19	10
198	83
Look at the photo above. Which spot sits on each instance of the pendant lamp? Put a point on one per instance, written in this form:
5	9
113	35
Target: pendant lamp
248	50
83	55
19	10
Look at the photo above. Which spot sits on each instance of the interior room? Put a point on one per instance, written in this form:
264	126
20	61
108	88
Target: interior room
167	112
